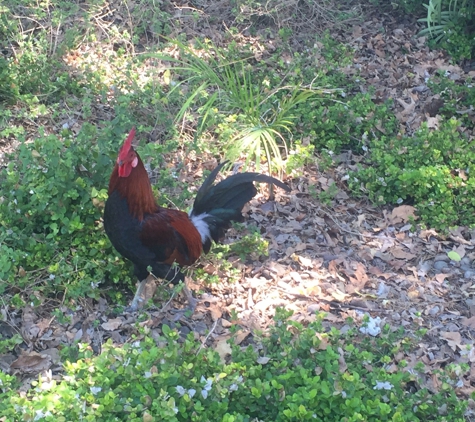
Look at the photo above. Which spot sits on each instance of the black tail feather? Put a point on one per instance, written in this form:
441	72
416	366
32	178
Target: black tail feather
224	201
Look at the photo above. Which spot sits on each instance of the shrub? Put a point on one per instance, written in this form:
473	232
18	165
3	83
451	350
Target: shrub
450	26
297	373
433	170
51	229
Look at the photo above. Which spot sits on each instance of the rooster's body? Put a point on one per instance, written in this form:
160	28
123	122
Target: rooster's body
155	238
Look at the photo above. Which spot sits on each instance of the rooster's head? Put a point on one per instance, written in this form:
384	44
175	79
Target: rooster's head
127	158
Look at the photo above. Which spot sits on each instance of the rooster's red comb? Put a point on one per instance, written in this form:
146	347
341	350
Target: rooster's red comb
127	145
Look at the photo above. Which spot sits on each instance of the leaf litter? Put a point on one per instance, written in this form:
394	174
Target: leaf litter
348	259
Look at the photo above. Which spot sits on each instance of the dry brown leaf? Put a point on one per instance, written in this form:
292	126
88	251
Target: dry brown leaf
223	349
359	280
469	322
460	249
400	254
454	339
240	336
402	214
33	362
338	295
433	122
356	33
323	344
341	361
305	262
441	277
112	324
408	108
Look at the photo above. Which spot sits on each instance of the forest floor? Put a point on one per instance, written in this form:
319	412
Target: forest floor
347	258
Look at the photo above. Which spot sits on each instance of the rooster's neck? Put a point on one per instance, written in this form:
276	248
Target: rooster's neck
136	189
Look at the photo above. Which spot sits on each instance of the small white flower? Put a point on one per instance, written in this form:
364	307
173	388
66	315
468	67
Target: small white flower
233	387
239	378
180	390
345	177
399	200
136	344
52	276
40	415
204	393
148	374
191	392
95	390
373	327
208	385
31	192
175	409
15	201
383	385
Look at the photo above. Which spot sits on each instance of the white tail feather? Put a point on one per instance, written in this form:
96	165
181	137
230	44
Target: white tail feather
202	226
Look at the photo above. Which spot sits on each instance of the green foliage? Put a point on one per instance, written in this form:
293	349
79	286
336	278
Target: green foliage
450	26
336	125
457	98
297	373
407	6
150	19
251	246
254	119
433	170
53	191
8	344
48	218
298	157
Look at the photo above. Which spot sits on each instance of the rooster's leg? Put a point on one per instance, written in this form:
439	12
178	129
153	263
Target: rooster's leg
192	302
145	291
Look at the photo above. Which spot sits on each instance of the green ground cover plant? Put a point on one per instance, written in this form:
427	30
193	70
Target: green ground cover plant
296	373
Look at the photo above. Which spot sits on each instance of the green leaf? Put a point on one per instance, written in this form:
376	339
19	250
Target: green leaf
166	330
454	256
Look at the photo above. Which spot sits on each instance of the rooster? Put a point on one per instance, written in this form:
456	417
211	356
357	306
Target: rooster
157	239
